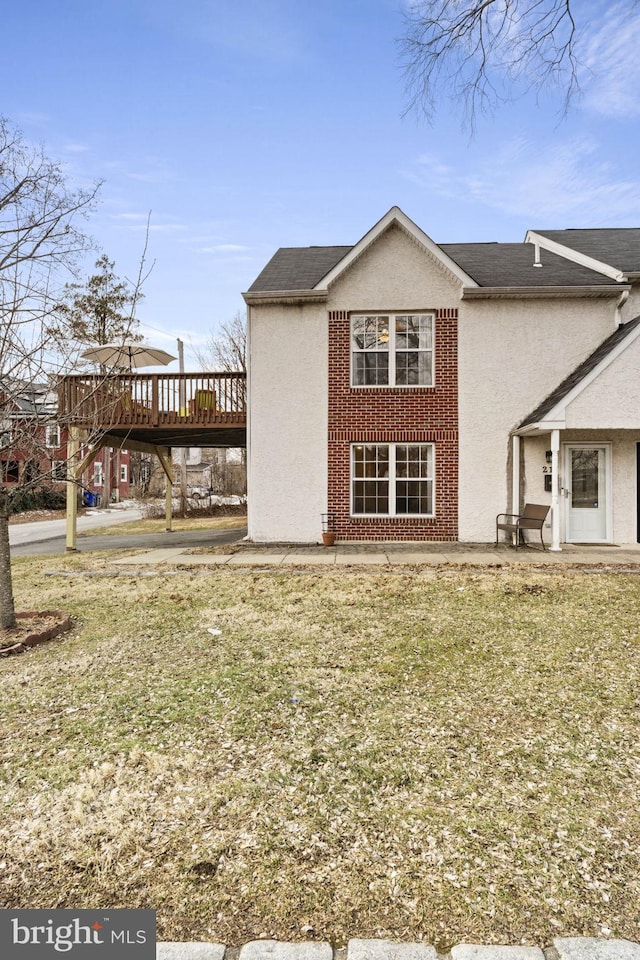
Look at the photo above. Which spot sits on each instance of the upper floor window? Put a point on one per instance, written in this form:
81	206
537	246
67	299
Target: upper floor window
392	350
52	435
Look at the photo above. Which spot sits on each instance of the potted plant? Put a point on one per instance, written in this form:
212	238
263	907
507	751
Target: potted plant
328	529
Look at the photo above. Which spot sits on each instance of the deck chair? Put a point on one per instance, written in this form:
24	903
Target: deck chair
532	518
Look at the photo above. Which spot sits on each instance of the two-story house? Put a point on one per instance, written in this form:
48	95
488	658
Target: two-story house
33	444
413	390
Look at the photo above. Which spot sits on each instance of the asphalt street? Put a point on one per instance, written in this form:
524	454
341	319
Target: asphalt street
45	537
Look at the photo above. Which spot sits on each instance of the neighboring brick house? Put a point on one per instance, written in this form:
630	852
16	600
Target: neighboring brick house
33	445
413	390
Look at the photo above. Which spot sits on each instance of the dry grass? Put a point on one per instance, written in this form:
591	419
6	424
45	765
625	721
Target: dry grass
159	525
409	755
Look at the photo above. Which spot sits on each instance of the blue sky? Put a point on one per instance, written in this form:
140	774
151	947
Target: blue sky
245	126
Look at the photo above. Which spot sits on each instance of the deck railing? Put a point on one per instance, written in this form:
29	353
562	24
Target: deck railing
152	399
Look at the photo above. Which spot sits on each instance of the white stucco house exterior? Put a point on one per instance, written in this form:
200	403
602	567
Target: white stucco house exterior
413	391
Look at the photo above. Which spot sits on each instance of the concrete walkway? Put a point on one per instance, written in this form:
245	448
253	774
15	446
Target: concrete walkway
40	531
563	948
376	555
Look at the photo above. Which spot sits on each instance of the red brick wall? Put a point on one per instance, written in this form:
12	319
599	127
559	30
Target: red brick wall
395	415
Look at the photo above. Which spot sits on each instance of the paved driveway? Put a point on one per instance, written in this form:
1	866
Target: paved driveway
56	544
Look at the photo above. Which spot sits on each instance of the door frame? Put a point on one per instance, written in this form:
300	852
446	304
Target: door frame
606	445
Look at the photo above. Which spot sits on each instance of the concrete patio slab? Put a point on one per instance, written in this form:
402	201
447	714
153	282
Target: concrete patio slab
361	559
162	555
204	559
309	559
426	559
246	559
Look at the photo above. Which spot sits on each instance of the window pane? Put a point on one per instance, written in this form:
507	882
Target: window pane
371	483
370	369
370	333
584	478
414	496
413	369
413	332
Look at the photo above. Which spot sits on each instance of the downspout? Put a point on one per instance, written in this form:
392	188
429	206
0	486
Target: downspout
622	299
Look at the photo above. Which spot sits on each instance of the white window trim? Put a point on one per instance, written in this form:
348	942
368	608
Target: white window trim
391	350
392	481
98	474
124	473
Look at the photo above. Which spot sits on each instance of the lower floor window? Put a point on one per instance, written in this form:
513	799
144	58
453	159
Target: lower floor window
10	471
58	470
392	479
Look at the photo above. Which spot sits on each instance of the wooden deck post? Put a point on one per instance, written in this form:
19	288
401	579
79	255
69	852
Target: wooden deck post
169	501
73	445
164	456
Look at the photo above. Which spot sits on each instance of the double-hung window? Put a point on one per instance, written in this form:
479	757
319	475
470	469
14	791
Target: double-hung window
52	435
392	479
394	350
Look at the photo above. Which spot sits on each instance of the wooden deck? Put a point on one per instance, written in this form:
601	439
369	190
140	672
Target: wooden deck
168	409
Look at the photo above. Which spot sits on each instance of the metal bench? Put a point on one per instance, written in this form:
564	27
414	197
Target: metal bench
532	518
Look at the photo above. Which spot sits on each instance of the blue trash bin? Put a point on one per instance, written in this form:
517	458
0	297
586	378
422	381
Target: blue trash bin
90	499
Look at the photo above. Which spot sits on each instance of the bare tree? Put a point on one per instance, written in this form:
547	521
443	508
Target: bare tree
226	351
226	347
477	53
40	242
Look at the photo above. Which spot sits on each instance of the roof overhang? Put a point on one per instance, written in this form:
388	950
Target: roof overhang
395	217
542	426
569	254
591	292
284	296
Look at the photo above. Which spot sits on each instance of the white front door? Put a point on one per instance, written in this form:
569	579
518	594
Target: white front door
587	494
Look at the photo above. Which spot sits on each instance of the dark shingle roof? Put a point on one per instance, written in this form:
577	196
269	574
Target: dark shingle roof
581	372
489	264
511	265
297	268
617	246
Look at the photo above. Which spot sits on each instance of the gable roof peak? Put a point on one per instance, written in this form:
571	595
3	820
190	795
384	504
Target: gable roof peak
395	216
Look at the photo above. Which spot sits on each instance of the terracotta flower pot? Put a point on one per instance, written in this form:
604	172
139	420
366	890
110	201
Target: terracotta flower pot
328	539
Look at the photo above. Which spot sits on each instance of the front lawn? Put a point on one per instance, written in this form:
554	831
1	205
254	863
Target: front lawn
441	755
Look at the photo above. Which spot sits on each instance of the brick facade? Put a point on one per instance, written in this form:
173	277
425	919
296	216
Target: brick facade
394	415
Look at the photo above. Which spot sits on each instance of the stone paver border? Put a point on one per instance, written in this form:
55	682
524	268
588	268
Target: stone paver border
563	948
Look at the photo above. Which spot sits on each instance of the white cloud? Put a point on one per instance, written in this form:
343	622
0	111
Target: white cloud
224	248
565	182
610	77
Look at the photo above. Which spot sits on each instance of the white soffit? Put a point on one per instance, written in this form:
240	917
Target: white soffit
395	215
569	254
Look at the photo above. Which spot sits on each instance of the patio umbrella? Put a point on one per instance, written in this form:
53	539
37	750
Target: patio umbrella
128	355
